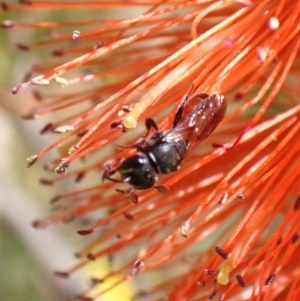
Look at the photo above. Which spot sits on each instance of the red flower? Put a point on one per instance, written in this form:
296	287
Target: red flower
228	227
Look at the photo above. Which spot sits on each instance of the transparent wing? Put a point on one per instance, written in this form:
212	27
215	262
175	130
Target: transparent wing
207	113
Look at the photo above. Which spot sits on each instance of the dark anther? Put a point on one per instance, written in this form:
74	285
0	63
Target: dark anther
128	216
95	281
134	198
162	189
213	294
58	52
85	232
61	274
91	257
270	279
295	238
221	252
297	204
240	281
47	128
116	125
208	272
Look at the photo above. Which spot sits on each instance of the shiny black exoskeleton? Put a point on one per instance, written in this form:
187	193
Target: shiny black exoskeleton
163	152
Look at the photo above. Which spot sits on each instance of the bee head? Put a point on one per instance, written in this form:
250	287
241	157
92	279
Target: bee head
138	171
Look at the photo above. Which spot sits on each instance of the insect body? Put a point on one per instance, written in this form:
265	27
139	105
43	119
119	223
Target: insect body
163	152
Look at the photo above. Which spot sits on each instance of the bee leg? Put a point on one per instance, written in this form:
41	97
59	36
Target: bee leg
150	123
134	197
125	191
179	111
130	191
162	189
107	176
113	180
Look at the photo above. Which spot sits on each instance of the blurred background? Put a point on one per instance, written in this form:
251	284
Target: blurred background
28	256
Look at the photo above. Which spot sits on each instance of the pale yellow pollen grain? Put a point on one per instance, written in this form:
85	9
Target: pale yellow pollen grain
130	120
61	81
75	34
64	129
40	81
273	23
224	274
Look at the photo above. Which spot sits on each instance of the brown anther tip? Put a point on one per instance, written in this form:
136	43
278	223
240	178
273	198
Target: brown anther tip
4	6
47	128
98	45
96	281
295	238
85	232
213	294
162	189
22	47
81	134
136	267
240	281
270	279
7	24
134	198
239	96
31	160
61	274
58	52
209	272
297	204
217	145
128	216
77	255
38	224
240	196
91	256
46	182
79	176
62	166
221	252
116	125
201	283
126	109
54	199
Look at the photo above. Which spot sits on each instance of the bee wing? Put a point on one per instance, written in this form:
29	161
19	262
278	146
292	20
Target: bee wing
201	121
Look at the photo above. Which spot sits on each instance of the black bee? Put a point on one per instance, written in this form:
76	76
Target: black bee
163	152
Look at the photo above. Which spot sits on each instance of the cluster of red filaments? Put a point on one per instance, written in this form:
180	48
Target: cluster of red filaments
228	228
